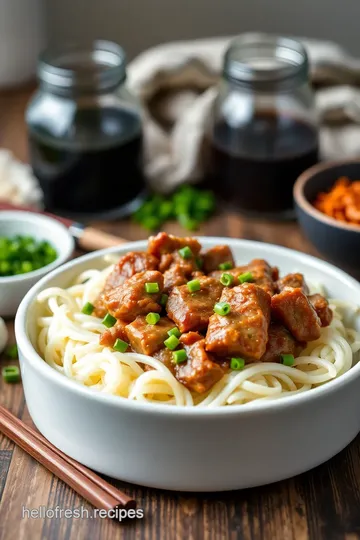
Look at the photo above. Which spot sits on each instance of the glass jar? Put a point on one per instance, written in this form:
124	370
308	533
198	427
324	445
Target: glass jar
85	134
264	131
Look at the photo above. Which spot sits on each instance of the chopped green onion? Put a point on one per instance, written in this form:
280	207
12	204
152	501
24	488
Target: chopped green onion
11	374
194	285
152	288
237	363
88	308
222	308
199	262
108	320
152	318
226	266
163	300
12	351
246	277
165	210
189	205
226	279
26	266
186	252
151	223
24	254
171	342
288	359
188	223
120	345
174	332
179	356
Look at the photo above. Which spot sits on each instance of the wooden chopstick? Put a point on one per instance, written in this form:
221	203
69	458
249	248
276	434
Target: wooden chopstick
85	482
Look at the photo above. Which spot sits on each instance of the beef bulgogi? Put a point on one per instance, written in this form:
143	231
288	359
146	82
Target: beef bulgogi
201	315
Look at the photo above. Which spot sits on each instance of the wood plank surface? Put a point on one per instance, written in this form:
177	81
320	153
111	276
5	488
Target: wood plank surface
323	504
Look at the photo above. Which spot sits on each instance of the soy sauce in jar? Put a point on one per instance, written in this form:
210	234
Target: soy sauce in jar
264	131
85	134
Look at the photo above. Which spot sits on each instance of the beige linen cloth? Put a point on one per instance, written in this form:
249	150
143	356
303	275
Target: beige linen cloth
176	83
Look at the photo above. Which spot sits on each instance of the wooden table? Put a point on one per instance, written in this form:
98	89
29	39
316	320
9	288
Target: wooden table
323	504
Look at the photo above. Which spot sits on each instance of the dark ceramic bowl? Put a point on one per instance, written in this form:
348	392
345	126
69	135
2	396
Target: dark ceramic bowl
337	241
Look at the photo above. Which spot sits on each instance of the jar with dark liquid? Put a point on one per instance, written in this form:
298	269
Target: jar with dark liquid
264	131
85	134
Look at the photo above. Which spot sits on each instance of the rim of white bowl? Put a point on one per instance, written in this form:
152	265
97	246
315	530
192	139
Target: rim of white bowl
250	409
64	252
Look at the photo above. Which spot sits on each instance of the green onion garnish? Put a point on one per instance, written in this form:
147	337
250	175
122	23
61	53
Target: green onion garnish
12	351
194	285
108	320
199	262
189	205
163	300
152	287
171	342
120	345
24	254
174	332
246	277
152	318
226	279
186	252
10	374
226	266
222	308
88	308
237	363
179	356
288	359
188	223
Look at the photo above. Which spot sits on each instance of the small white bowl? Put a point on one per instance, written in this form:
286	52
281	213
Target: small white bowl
190	448
12	223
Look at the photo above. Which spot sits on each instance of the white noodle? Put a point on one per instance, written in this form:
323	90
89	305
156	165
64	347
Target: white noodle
68	341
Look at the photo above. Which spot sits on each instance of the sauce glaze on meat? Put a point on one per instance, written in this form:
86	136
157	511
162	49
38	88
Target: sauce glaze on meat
269	315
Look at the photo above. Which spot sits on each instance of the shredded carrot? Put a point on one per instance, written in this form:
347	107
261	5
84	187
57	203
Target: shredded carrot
342	202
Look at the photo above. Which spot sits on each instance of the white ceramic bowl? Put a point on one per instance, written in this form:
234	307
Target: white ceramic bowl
192	449
14	288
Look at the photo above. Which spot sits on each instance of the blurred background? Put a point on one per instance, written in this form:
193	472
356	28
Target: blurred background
158	21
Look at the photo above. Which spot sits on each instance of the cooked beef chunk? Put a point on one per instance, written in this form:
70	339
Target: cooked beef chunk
280	342
235	272
292	308
166	260
212	257
261	273
295	281
147	338
191	310
166	357
199	373
174	276
167	243
100	306
321	306
190	338
110	335
130	299
130	264
244	331
274	273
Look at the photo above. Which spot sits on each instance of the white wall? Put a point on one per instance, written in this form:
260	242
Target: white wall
138	24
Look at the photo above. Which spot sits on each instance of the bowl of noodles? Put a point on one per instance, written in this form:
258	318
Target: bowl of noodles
207	411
